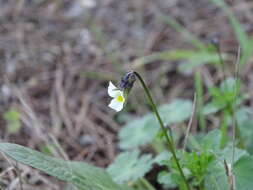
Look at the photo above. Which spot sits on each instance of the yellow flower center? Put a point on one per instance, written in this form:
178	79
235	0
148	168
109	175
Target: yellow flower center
120	98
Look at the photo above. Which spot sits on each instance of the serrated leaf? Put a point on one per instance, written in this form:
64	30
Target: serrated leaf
227	154
162	158
229	85
216	105
166	180
82	175
243	170
212	107
212	140
245	124
216	178
130	166
143	130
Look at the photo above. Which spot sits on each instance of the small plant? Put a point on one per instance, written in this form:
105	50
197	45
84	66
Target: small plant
217	159
208	163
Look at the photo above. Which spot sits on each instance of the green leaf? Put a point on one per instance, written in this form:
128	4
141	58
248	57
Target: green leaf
229	86
199	58
225	94
212	107
82	175
216	178
162	158
138	132
243	170
198	162
130	166
143	130
12	116
166	180
212	141
245	124
227	153
192	58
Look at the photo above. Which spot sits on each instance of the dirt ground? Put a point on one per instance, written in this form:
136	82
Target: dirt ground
57	56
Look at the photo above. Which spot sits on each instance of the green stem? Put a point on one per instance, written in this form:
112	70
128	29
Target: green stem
200	100
169	141
222	64
147	184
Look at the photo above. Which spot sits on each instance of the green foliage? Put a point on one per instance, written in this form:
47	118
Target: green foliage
226	98
226	94
130	166
243	170
197	163
211	142
245	124
143	130
205	166
48	149
207	157
227	154
197	59
215	177
166	179
192	58
200	100
82	175
12	117
162	158
212	107
246	42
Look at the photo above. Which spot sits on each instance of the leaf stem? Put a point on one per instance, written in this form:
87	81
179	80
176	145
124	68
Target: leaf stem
146	184
168	139
235	126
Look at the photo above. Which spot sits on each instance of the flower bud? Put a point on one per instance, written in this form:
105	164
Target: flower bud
127	82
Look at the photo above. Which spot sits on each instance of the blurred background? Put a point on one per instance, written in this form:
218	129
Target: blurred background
58	56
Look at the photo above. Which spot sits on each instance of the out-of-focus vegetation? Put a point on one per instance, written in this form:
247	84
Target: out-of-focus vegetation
57	58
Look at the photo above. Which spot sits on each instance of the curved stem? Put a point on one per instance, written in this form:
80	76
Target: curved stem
168	139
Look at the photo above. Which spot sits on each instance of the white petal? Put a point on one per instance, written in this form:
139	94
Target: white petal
112	90
116	105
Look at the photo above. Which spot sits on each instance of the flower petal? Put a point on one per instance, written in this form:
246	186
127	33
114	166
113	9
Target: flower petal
116	105
112	90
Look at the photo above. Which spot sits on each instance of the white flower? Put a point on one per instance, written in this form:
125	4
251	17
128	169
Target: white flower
118	100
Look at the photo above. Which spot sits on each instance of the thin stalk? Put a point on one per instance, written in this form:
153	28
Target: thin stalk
147	184
168	139
190	122
234	105
222	64
200	100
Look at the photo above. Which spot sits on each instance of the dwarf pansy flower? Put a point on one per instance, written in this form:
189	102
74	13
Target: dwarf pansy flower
118	100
